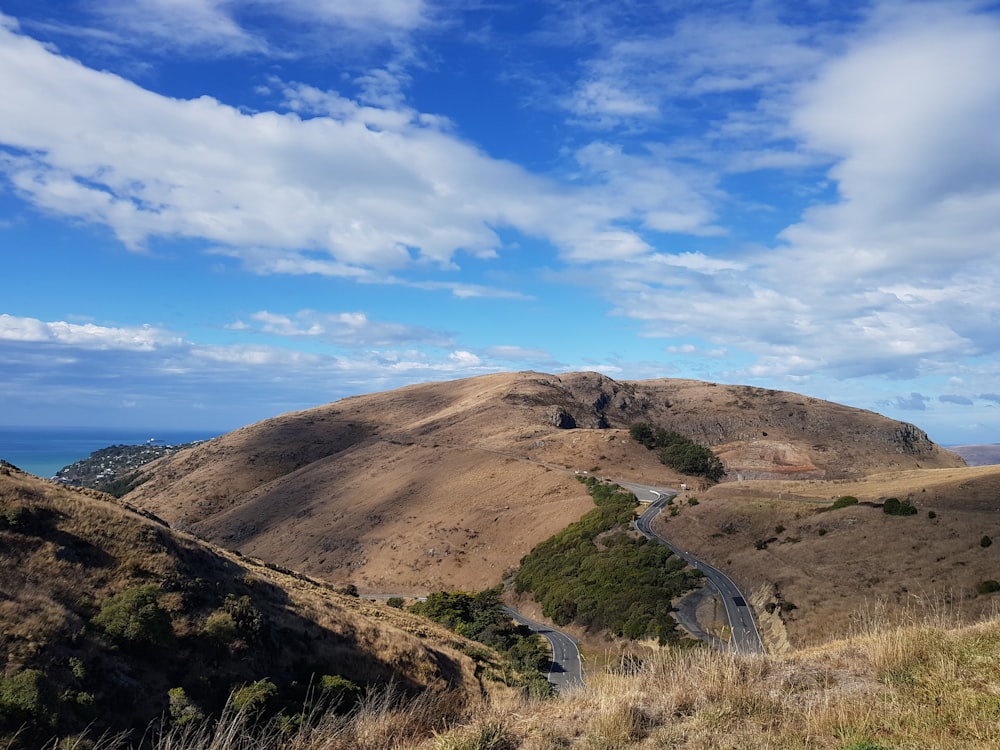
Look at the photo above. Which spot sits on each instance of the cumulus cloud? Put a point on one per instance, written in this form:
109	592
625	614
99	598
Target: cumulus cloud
87	336
896	274
340	189
347	329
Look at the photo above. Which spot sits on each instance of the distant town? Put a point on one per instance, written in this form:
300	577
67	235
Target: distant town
113	469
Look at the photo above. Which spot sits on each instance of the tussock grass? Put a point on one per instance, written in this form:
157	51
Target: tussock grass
900	686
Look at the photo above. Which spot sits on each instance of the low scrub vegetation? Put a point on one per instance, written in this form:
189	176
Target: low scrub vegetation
921	685
112	623
481	617
598	574
680	453
893	506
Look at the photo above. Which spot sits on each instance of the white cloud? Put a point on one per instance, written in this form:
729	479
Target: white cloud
218	28
897	275
347	329
87	336
346	191
185	24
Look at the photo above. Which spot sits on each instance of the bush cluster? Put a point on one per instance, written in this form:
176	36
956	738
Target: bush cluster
134	617
595	574
481	617
678	452
893	506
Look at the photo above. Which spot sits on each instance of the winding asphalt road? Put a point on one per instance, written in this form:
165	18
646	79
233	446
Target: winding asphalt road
566	670
745	636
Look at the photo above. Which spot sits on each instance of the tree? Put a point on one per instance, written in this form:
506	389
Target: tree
134	616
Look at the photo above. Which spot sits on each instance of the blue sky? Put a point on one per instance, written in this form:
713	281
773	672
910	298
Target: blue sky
216	211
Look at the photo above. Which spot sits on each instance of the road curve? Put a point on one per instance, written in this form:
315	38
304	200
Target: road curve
745	636
565	670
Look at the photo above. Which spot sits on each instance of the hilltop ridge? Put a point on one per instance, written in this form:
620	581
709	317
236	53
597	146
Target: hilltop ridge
449	484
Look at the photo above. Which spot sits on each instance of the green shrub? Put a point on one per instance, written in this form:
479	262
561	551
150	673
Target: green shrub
678	452
481	617
988	587
931	514
220	627
253	698
893	507
246	616
181	708
396	602
77	667
26	698
618	583
340	691
843	501
134	616
985	541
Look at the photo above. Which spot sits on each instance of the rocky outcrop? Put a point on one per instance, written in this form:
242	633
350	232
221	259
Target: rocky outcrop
563	419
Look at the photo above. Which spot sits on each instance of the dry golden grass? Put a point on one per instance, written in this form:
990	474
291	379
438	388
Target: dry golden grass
914	686
833	564
448	485
63	553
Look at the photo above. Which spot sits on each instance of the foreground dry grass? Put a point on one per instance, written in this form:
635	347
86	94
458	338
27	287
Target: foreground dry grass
925	685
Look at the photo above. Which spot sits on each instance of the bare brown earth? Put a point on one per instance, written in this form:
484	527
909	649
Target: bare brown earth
448	485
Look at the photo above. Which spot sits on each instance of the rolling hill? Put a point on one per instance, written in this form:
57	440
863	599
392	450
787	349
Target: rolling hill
108	620
448	485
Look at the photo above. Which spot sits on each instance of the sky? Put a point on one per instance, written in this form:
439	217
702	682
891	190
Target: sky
213	212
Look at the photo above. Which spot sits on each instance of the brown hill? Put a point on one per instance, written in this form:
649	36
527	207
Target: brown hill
447	485
978	455
104	612
782	541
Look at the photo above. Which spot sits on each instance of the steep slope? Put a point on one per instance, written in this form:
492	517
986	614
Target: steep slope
105	614
449	484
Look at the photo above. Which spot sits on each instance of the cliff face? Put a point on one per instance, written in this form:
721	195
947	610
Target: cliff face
449	484
758	433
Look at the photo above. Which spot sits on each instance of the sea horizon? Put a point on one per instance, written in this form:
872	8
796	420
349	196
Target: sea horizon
44	450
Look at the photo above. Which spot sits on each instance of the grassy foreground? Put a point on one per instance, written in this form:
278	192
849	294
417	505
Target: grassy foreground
922	685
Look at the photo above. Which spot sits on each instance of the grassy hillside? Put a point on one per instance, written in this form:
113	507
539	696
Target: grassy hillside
812	567
110	620
447	485
895	684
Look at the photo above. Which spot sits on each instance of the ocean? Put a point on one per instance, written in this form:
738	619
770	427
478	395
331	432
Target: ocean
44	450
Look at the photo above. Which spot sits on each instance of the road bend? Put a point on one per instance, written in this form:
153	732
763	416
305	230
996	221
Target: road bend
745	636
565	670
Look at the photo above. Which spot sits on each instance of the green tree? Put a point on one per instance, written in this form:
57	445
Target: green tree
26	699
894	507
678	452
134	616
